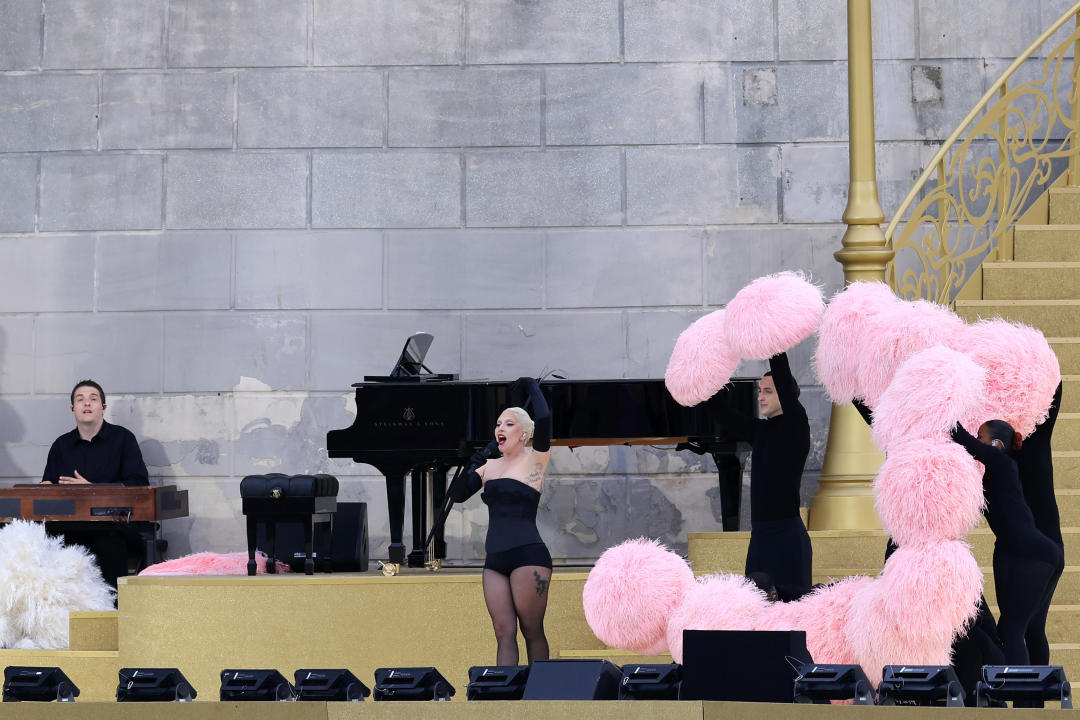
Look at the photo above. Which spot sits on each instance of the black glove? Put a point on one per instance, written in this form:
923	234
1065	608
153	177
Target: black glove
481	456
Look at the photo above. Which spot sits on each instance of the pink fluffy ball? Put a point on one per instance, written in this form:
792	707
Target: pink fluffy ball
701	362
631	593
772	315
843	330
716	602
1022	372
822	615
928	395
928	491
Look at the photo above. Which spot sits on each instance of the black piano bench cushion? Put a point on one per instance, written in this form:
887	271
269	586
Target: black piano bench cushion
289	486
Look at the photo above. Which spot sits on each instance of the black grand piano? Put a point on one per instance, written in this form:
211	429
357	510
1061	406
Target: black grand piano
418	424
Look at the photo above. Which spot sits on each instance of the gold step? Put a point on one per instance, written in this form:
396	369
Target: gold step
1066	469
1070	392
1068	502
93	630
94	672
1067	350
1031	280
1064	206
1046	243
1062	622
1066	432
1057	318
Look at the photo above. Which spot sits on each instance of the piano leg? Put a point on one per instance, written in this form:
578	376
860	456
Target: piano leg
395	502
420	479
438	495
251	532
729	466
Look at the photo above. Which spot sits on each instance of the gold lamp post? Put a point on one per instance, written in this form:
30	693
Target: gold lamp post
844	499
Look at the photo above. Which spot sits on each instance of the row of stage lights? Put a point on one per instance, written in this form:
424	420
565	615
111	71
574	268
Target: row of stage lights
557	680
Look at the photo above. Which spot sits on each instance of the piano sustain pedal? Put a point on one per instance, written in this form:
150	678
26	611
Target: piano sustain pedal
389	569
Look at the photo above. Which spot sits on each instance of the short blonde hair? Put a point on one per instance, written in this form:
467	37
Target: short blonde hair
524	421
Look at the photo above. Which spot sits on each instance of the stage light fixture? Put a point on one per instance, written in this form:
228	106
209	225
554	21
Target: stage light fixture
37	684
153	685
920	685
247	685
1028	684
337	685
651	682
822	683
411	683
497	682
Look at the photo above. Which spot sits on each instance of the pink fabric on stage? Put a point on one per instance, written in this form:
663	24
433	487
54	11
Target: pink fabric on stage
843	330
772	314
716	602
211	563
701	362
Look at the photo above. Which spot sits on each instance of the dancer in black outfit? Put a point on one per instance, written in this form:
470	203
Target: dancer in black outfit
779	553
1025	560
517	570
1035	465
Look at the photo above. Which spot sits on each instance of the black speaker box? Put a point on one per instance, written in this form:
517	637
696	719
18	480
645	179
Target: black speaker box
153	685
742	665
348	541
254	685
573	680
651	682
413	683
337	685
497	682
39	684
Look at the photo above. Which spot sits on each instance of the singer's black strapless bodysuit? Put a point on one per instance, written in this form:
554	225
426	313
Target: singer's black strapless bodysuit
512	538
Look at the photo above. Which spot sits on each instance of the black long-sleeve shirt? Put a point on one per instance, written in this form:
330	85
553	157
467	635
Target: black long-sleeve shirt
780	447
1035	465
111	456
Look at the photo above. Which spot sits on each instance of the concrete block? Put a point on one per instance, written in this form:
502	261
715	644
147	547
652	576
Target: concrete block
347	346
472	107
101	192
621	268
439	269
817	30
264	348
385	189
651	336
48	273
236	190
672	30
18	193
580	516
736	256
287	432
815	183
20	35
624	105
581	345
555	187
208	33
998	28
167	110
179	435
668	186
938	94
48	112
16	356
899	165
103	34
286	108
893	29
283	269
777	103
556	31
122	351
387	32
164	271
30	424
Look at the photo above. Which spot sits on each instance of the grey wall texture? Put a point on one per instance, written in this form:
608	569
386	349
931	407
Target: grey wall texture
228	212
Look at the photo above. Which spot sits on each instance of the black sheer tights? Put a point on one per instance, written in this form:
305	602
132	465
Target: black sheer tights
518	599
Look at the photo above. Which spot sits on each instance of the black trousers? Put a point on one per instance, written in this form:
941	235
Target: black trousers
781	550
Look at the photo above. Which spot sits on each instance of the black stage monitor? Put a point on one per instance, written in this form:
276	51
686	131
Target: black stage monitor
920	685
573	680
1024	685
742	665
497	682
411	683
254	685
651	682
39	684
824	683
329	686
153	685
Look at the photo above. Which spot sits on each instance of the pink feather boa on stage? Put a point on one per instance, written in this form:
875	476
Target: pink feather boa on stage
701	362
845	325
772	314
211	563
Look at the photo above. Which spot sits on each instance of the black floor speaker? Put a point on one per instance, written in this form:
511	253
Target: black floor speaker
348	541
573	680
742	665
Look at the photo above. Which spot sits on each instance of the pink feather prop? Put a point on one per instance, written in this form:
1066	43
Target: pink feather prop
715	602
843	331
1022	373
701	362
631	593
928	492
923	598
929	394
772	315
211	563
822	615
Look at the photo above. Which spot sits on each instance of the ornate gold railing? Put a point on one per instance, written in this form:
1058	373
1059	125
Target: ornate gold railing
1003	155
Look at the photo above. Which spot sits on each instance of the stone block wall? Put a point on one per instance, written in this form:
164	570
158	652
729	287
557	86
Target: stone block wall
228	212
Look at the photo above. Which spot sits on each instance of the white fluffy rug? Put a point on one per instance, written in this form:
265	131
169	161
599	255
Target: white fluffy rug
41	582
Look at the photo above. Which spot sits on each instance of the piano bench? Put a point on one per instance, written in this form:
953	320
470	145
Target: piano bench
275	497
